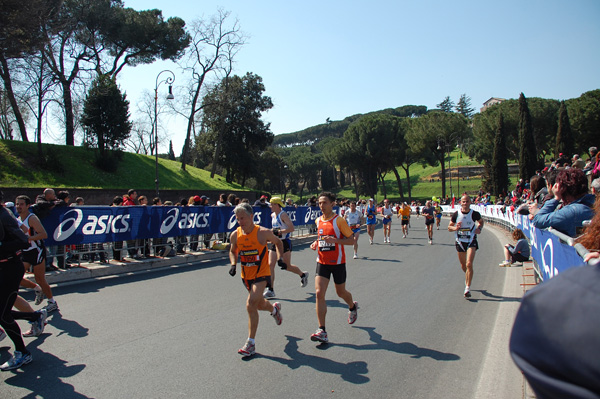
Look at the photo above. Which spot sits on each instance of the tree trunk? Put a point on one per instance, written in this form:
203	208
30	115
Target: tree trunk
353	177
408	182
399	180
383	186
5	73
69	114
184	153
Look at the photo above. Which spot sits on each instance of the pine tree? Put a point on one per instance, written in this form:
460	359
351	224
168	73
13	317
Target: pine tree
500	160
447	105
527	151
464	106
564	136
171	152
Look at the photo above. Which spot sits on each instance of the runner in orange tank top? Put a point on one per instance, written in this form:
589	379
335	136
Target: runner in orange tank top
249	242
333	234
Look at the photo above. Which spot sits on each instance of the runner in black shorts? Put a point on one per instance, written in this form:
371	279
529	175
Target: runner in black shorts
428	213
466	223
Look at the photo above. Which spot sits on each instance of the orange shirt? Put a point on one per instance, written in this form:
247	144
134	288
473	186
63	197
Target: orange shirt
332	254
253	255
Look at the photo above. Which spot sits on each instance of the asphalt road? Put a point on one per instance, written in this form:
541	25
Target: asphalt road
175	333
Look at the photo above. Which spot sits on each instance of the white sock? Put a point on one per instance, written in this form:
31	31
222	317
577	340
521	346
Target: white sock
251	340
51	300
274	312
37	287
467	288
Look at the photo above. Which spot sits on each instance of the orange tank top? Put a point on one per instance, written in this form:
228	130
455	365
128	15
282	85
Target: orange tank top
329	254
253	255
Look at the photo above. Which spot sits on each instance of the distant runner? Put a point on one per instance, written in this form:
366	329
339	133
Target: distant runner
404	213
371	215
353	217
428	213
438	214
387	213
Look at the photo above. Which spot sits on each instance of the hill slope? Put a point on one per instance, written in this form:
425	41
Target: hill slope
65	166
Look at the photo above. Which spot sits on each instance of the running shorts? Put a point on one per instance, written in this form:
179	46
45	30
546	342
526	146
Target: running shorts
462	246
34	256
287	245
248	283
405	222
387	221
338	271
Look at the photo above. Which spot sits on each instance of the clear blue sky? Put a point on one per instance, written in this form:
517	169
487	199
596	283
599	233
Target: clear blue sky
321	59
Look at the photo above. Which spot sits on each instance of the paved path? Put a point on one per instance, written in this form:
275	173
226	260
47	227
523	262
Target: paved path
174	332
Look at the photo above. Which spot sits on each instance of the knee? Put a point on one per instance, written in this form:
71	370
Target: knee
341	292
320	294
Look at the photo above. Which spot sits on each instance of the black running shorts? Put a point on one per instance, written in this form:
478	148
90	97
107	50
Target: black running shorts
338	271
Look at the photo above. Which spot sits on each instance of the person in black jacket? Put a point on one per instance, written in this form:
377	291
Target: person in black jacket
12	241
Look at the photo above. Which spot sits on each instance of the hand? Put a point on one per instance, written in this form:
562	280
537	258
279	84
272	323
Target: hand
232	271
281	264
591	255
313	246
277	231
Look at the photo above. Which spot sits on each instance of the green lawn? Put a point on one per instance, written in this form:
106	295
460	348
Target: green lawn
74	167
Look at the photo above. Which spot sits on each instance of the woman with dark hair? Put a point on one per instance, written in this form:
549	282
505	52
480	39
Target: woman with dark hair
591	237
516	253
538	189
571	188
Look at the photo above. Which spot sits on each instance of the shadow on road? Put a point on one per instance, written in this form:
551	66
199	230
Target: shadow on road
351	372
493	298
66	326
399	347
311	298
43	377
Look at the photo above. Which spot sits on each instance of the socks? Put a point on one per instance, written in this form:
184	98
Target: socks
251	340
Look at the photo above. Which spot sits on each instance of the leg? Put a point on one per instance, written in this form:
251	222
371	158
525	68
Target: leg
22	305
287	258
39	272
272	263
321	284
470	256
11	273
340	290
356	235
255	303
507	254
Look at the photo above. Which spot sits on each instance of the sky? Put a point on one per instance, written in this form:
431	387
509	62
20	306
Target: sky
332	59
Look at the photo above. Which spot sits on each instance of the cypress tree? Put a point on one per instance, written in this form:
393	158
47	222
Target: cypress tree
499	172
171	151
564	136
527	151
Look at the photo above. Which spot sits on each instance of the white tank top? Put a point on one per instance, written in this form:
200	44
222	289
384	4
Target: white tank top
466	233
353	217
30	233
278	223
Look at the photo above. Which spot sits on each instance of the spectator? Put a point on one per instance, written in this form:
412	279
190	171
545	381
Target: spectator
78	202
562	160
63	198
231	198
181	241
591	162
144	243
289	202
223	200
130	198
577	162
262	201
117	245
44	203
596	187
519	252
538	190
591	235
572	189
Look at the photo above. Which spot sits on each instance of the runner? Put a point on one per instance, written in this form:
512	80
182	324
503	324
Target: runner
12	241
353	217
438	214
334	233
387	213
462	223
428	213
35	255
371	214
249	241
405	214
282	228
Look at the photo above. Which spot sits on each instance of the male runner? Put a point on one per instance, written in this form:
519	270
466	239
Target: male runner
428	213
333	234
35	255
282	227
353	217
438	214
386	212
462	223
371	215
404	213
249	241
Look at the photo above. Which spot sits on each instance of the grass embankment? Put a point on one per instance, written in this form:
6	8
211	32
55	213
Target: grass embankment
74	167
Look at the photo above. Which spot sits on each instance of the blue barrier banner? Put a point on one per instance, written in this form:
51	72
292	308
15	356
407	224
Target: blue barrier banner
89	224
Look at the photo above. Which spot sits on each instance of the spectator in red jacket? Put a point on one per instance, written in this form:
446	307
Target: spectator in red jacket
130	198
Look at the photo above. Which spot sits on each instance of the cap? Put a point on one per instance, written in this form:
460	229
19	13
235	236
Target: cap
197	198
560	155
371	199
277	200
204	197
9	204
263	197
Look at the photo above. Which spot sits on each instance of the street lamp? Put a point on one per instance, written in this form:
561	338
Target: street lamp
168	80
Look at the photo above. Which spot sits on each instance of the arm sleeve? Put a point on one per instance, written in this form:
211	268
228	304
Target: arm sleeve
344	228
546	216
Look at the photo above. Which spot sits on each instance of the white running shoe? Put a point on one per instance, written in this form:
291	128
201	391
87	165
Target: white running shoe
355	256
247	350
304	280
39	296
353	314
277	316
319	336
268	293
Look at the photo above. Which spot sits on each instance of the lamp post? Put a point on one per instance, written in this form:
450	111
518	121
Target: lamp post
168	80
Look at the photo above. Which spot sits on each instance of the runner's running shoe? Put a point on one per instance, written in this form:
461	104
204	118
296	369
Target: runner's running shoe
17	360
319	336
269	293
37	327
39	296
277	316
247	350
304	280
467	293
355	256
51	306
353	314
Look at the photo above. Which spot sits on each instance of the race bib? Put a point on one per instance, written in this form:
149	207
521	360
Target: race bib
326	246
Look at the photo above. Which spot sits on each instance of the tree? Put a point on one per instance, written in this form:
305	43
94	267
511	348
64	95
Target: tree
528	162
584	117
431	135
171	154
499	170
101	37
106	115
564	136
214	46
464	106
233	111
446	105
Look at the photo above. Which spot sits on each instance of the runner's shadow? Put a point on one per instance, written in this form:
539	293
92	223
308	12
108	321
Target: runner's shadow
494	298
331	303
351	372
399	347
44	376
379	260
69	327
